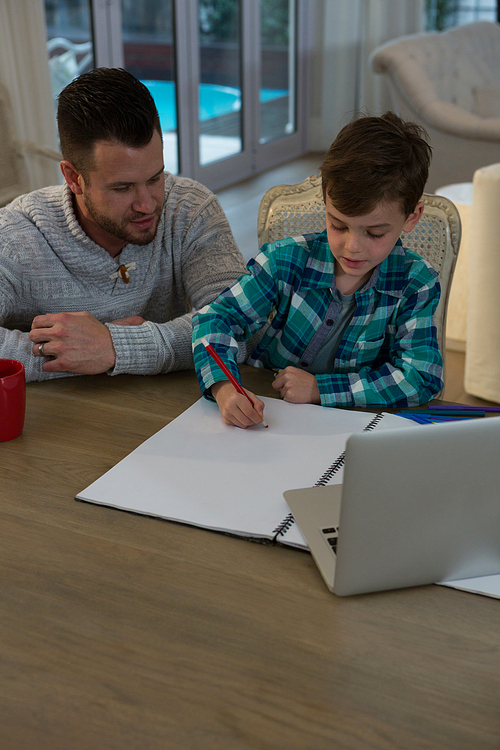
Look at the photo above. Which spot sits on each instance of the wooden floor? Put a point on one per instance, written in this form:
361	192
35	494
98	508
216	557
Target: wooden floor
241	202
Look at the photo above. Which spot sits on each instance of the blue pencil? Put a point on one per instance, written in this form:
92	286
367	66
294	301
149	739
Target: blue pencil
463	407
415	417
437	418
430	418
464	413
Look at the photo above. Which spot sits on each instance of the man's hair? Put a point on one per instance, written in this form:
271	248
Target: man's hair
376	160
105	104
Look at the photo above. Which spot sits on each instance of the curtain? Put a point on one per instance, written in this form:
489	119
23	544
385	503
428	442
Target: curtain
345	32
24	72
383	20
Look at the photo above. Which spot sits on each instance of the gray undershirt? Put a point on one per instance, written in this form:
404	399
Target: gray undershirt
323	361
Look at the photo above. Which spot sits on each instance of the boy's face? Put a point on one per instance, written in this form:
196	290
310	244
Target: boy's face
359	243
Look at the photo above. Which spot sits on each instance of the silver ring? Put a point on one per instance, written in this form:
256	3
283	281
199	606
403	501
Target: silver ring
40	350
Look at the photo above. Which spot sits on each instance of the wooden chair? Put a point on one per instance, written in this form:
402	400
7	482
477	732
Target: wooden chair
288	210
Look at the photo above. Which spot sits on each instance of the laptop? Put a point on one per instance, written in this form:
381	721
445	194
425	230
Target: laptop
417	506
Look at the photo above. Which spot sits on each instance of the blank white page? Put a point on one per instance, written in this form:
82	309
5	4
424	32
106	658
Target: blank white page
197	470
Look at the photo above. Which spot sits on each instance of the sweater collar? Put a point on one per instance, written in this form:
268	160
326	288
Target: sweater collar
129	251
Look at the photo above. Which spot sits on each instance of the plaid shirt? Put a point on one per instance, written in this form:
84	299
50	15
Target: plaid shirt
388	356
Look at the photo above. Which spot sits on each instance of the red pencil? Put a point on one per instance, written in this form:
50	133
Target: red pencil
229	375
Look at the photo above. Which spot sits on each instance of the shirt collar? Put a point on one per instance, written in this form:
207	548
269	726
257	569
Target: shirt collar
387	277
320	267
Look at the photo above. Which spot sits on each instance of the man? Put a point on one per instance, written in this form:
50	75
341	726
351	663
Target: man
101	274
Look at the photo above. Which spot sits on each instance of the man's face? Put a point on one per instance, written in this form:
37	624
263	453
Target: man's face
122	200
359	243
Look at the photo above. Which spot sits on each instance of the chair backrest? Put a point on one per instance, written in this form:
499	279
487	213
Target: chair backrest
289	210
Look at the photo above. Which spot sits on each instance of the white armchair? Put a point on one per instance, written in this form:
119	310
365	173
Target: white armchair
448	82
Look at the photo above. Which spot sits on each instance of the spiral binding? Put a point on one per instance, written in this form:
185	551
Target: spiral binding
283	527
289	520
376	419
333	469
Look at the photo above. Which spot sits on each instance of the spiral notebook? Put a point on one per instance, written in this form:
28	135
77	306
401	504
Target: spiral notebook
198	471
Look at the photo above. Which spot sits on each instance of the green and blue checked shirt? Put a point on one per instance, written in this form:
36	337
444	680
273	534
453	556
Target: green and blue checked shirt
388	355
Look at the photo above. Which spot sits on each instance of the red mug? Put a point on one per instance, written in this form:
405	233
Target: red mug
12	399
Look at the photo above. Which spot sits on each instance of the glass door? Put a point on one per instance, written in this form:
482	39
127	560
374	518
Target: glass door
228	76
248	63
148	30
277	70
70	45
283	80
219	70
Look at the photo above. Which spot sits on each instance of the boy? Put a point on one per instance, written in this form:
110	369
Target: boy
349	311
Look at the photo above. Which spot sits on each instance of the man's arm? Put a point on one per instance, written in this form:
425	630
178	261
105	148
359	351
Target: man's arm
72	342
16	344
205	261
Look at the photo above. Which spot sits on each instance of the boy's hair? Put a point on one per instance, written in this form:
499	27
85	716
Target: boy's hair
376	160
105	104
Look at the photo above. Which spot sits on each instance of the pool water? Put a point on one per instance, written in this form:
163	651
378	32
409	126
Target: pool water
214	100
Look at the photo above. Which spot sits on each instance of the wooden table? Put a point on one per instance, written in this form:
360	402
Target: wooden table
126	632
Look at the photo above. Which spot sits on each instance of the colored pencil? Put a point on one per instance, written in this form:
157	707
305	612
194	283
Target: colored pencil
227	372
423	418
463	407
419	418
446	418
464	414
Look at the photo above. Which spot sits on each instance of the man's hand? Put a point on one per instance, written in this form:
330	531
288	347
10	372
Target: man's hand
74	342
235	409
297	386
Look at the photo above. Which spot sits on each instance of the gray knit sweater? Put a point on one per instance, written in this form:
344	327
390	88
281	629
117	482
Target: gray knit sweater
49	265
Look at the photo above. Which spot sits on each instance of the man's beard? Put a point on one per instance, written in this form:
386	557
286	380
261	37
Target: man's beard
119	229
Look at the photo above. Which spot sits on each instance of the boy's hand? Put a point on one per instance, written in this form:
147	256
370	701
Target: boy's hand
235	409
297	386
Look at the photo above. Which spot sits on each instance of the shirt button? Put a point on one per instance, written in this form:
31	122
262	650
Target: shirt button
329	322
304	364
